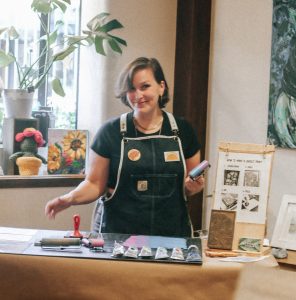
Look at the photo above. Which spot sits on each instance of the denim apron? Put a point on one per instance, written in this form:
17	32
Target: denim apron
149	196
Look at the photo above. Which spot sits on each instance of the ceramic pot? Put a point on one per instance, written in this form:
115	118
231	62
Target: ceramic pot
28	165
18	103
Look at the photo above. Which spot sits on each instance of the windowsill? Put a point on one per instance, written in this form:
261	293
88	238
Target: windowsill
17	181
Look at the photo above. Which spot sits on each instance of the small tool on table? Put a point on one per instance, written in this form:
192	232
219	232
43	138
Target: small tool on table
76	233
60	244
95	245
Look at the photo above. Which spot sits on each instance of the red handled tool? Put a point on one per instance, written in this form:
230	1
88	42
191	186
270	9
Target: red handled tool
76	233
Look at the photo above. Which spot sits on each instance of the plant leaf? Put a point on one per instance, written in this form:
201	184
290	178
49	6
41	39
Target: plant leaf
75	39
96	20
113	24
41	6
53	37
2	30
64	53
102	15
114	46
57	87
47	6
11	32
61	5
99	45
119	40
5	59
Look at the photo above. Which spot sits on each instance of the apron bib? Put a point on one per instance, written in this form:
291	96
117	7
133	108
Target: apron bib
149	196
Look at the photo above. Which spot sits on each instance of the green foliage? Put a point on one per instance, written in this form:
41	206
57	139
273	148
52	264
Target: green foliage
97	34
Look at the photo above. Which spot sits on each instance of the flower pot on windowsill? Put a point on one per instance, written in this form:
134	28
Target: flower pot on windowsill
18	103
28	165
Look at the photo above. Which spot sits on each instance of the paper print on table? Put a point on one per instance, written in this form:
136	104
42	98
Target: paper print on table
242	185
67	151
249	244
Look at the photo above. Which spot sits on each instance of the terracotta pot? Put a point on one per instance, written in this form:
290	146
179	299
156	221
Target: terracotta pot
17	103
28	165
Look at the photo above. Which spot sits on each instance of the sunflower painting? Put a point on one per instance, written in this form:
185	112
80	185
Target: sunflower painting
67	151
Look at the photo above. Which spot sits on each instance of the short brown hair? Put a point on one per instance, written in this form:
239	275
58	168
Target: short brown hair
125	79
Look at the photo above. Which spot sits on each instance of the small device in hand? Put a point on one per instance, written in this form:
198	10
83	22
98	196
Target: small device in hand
199	170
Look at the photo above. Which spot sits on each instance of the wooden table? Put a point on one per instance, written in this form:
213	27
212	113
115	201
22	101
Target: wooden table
288	263
49	277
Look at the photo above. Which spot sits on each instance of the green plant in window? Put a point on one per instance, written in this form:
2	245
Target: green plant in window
97	34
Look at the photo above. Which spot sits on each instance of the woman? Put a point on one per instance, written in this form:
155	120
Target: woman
140	161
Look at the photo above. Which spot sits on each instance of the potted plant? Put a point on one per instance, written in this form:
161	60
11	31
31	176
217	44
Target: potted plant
28	160
30	77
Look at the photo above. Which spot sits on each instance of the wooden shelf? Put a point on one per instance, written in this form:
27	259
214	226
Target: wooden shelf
17	181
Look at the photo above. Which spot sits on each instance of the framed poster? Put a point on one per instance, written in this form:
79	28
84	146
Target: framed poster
282	91
284	234
242	185
67	151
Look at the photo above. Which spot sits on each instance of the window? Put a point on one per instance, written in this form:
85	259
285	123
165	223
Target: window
26	48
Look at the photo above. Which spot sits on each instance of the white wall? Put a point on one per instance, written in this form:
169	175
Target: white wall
239	91
25	208
149	29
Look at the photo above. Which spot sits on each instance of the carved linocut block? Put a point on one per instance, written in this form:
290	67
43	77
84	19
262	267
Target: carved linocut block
221	229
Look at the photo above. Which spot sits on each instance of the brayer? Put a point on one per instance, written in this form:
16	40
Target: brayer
199	169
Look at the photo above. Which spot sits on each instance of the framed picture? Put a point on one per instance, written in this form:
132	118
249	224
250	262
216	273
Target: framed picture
284	234
67	151
281	113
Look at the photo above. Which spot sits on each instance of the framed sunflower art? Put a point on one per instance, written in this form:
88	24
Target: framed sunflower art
67	151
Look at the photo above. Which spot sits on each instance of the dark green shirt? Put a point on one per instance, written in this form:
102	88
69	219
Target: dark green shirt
107	141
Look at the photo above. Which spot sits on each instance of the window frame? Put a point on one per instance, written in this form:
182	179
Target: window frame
44	94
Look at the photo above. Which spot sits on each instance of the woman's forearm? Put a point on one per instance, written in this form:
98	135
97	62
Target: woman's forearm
86	192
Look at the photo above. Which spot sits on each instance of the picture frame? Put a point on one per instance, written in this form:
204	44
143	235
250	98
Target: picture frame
284	234
67	151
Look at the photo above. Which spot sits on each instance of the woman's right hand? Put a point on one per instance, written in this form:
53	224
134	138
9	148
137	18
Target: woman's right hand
56	205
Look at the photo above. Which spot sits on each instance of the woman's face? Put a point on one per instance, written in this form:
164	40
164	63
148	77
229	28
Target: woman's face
144	95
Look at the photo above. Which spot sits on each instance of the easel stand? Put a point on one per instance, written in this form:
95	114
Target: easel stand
242	185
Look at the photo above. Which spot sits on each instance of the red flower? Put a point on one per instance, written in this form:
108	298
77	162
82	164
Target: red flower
30	133
68	159
19	137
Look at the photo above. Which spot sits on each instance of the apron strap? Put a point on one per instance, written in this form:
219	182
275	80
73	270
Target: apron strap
173	123
123	126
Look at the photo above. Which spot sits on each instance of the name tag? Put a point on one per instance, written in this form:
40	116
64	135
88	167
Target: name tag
171	156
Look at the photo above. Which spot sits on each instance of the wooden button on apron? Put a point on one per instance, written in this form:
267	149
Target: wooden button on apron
134	154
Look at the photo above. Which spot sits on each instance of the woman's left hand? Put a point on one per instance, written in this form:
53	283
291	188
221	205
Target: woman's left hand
194	186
